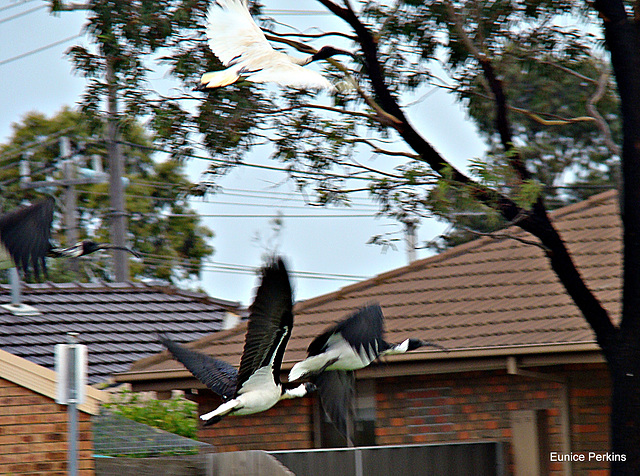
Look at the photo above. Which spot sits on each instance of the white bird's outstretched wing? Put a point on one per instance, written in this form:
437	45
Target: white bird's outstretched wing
233	35
290	74
240	44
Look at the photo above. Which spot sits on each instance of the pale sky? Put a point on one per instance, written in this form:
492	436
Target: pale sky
43	81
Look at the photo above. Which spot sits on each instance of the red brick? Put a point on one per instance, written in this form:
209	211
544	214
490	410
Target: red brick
32	438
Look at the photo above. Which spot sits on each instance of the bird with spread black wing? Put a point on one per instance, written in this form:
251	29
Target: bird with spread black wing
351	344
256	386
25	236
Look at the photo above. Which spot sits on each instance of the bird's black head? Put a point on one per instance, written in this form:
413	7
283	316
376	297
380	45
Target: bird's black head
327	52
89	247
416	344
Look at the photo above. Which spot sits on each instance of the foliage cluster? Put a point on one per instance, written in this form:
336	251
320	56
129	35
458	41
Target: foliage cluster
162	225
550	66
176	415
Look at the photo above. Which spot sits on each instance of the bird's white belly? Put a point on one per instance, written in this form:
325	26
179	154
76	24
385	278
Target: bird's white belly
348	360
259	393
259	401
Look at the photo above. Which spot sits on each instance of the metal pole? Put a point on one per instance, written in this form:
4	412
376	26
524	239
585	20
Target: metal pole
410	239
14	279
116	171
72	408
70	210
358	461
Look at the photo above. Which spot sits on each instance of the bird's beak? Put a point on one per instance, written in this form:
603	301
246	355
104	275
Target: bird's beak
108	246
426	343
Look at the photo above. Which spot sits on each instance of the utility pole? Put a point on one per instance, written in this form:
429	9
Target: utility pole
70	198
410	239
116	162
71	378
116	171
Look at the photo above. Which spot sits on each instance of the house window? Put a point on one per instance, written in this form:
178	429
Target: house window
363	425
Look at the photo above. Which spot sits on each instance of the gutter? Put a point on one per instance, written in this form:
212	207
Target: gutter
431	361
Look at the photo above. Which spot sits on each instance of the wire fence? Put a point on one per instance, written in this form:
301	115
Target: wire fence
115	435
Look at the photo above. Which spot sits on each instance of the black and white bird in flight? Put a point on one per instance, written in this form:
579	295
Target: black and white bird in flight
25	236
349	345
256	386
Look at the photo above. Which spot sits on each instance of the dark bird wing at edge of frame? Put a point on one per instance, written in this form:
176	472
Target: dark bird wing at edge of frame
363	327
26	232
270	323
220	376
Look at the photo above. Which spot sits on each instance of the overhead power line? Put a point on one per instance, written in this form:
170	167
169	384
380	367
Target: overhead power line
39	50
372	214
272	215
22	14
309	173
16	4
289	196
210	265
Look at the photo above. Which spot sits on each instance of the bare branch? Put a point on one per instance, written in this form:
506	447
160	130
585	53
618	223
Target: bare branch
600	122
560	121
535	116
501	235
569	71
324	108
309	35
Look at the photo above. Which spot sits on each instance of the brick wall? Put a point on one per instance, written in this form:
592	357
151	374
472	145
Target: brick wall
471	406
477	406
590	414
33	431
288	425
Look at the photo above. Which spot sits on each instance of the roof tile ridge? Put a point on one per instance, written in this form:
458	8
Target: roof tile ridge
194	345
447	254
584	204
393	273
202	297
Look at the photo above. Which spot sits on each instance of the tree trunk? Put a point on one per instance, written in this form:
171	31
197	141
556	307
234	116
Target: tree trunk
622	349
625	407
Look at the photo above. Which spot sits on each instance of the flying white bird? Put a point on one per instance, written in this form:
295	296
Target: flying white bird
256	386
242	47
25	239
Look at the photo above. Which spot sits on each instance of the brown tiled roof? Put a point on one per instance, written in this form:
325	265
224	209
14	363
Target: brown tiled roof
117	321
486	295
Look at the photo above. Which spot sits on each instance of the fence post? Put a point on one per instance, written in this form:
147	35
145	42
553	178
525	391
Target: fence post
71	370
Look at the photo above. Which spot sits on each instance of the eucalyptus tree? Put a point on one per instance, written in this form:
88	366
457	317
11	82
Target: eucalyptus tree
536	80
163	227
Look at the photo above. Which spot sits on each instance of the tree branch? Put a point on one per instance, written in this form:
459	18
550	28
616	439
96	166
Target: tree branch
324	108
499	235
623	42
307	35
536	221
495	84
593	112
383	117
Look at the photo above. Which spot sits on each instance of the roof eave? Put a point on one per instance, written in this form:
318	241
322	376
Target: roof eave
425	362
